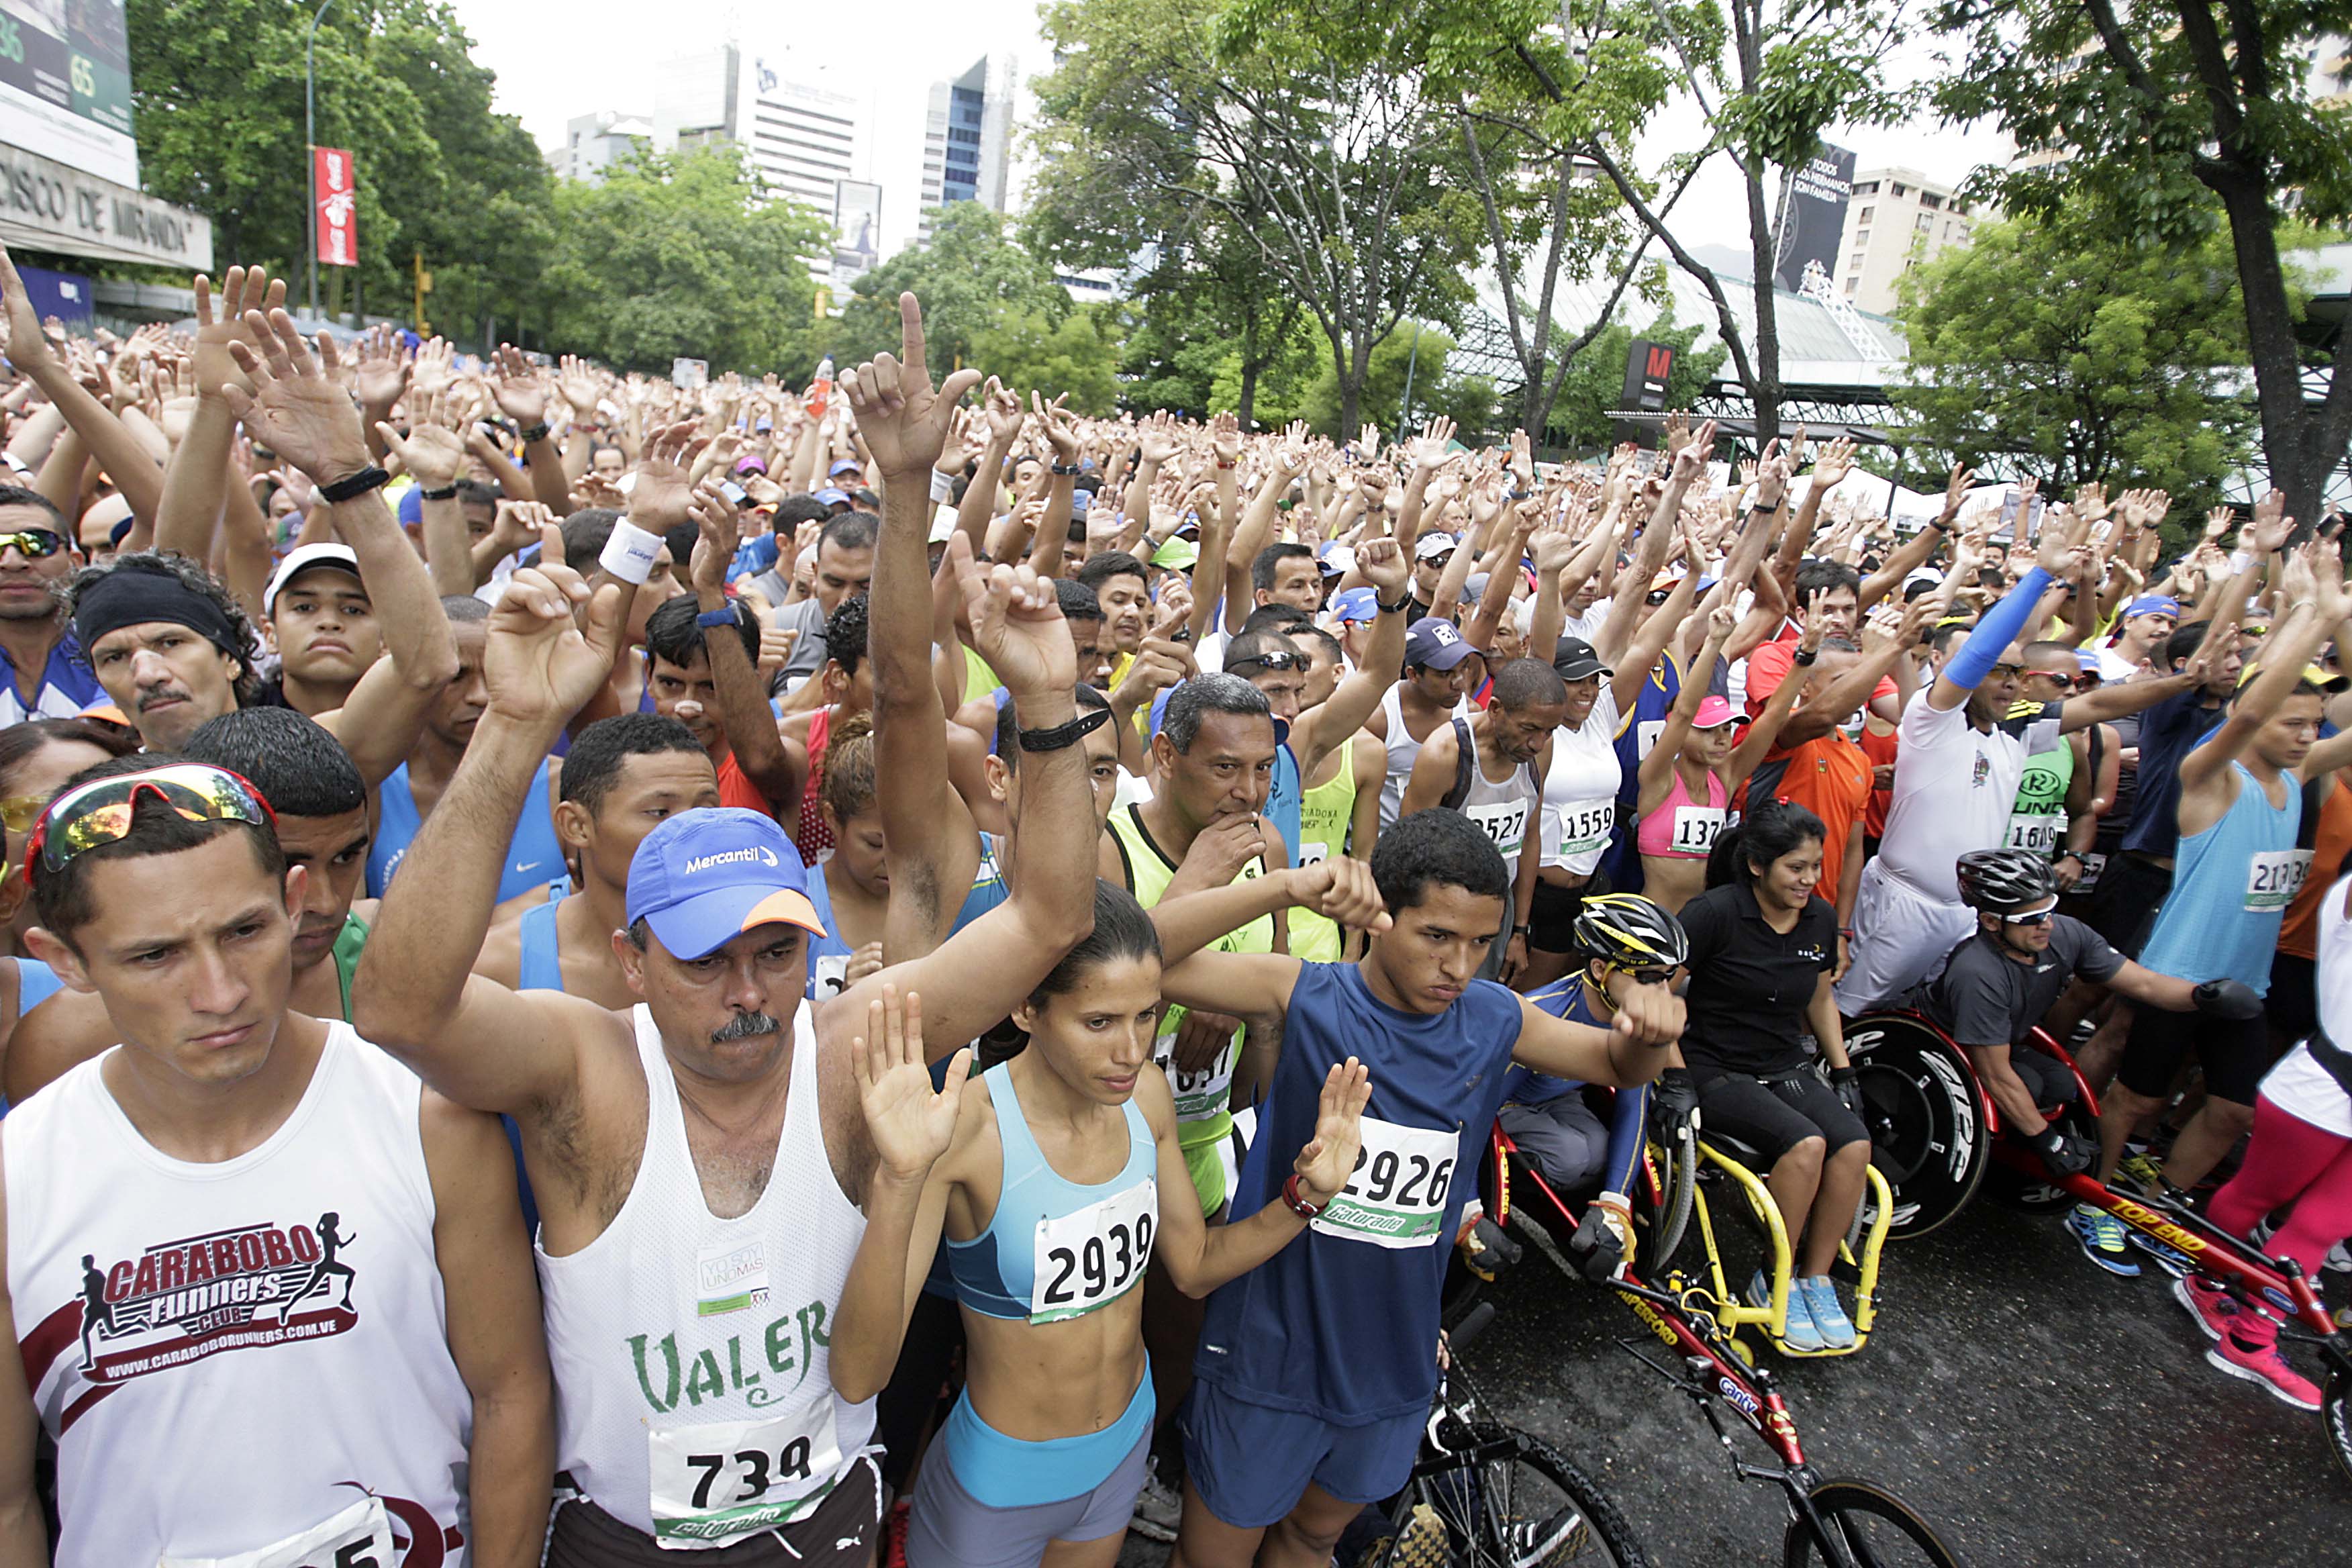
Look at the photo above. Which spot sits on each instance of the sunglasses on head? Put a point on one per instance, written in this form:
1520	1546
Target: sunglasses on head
34	543
2032	917
100	811
1276	660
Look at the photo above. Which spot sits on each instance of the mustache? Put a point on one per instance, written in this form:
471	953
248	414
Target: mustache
742	1026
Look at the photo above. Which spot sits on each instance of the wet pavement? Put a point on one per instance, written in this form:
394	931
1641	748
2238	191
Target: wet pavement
2036	1409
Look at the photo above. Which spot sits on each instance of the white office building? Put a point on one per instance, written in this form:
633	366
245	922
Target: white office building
968	139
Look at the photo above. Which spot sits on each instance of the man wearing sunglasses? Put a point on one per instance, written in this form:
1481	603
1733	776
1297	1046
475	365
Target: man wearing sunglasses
47	676
246	1218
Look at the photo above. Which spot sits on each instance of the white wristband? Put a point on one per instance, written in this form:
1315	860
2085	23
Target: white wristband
2240	561
943	484
629	553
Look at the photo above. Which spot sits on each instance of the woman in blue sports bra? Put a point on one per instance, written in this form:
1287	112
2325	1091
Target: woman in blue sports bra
850	887
1052	1212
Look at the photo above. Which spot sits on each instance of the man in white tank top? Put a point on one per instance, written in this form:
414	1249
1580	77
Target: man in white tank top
244	1220
1436	675
723	1248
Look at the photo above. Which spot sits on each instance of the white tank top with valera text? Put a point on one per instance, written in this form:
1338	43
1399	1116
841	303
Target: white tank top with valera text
693	1384
243	1362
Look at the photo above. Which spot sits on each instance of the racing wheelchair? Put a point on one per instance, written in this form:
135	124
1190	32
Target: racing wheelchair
1937	1139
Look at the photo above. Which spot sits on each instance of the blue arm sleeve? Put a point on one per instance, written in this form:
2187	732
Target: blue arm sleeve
1627	1120
1997	631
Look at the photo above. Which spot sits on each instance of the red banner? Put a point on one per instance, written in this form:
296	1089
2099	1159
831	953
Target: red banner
333	194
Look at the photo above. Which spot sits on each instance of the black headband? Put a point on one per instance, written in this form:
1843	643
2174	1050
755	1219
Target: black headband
133	595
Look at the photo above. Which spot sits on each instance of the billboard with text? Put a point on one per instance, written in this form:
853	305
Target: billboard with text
1812	215
65	85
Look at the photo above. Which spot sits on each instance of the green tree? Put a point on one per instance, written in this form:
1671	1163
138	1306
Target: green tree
1595	382
1336	167
2080	353
217	98
2164	112
970	277
1079	357
683	255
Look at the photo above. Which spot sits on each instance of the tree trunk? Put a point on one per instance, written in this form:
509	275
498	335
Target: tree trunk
1249	391
2299	445
1764	391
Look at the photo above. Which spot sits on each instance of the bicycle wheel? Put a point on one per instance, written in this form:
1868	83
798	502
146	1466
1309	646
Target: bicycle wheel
2336	1410
1524	1506
1874	1527
1674	1185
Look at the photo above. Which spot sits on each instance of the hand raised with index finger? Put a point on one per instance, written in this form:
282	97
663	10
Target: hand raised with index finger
903	419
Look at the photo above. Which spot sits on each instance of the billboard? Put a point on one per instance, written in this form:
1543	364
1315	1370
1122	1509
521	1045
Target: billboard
47	206
857	230
1648	368
1812	215
65	85
336	192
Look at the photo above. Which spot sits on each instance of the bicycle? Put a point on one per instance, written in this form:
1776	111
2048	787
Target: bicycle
1943	1138
1838	1523
1484	1494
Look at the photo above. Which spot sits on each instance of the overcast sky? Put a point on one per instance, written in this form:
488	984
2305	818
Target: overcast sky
596	54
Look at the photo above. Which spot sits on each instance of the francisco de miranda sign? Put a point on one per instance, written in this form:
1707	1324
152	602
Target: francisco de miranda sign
47	205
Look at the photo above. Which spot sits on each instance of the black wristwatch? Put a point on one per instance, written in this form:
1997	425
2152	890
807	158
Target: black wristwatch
1069	467
1399	607
1068	734
445	492
356	485
536	432
2074	855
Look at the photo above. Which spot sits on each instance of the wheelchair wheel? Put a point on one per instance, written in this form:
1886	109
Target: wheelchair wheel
2014	1189
1929	1119
2336	1411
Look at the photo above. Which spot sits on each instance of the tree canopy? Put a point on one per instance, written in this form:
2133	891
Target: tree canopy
970	278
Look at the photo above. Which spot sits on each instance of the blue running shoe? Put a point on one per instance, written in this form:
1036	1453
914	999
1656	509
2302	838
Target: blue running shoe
1799	1335
2102	1237
1829	1322
2170	1259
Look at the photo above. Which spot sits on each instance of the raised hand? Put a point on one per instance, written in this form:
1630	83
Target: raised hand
1774	473
1955	489
1436	437
381	374
1060	425
1835	463
1341	889
1384	566
1017	623
575	383
2270	526
1324	1166
296	407
903	419
541	663
522	396
436	366
715	532
659	501
246	290
431	452
911	1125
1225	438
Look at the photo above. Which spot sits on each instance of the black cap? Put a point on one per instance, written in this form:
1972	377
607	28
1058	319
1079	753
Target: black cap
1574	659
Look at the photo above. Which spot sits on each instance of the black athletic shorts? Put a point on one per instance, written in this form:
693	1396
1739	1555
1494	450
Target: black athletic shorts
2131	889
2234	1053
1777	1114
1553	916
2292	1000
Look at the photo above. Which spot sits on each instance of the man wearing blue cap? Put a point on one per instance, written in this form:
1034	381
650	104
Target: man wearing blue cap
1430	694
728	1181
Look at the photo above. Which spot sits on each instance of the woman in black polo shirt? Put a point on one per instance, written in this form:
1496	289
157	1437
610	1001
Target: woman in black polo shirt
1763	948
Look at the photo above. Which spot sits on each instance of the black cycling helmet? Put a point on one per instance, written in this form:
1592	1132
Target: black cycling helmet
2002	881
1625	931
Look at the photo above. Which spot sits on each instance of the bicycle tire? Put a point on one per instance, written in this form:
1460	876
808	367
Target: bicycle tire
1844	1502
1473	1531
2335	1412
1677	1195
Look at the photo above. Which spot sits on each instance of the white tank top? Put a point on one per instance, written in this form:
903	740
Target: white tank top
1580	789
1403	750
254	1355
694	1392
2298	1085
1505	812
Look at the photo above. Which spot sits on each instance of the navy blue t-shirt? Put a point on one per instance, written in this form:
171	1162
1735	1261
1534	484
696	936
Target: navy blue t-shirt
1342	1323
2167	734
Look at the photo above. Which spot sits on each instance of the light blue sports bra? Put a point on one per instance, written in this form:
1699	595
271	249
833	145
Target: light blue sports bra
1087	1265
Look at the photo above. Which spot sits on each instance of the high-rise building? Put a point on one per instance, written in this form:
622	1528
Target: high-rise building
968	139
593	143
1897	218
806	141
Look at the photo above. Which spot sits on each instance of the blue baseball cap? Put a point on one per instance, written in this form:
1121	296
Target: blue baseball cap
1434	643
705	877
832	497
845	466
1356	604
2153	605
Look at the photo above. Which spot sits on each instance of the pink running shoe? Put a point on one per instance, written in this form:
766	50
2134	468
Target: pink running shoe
2210	1307
2268	1369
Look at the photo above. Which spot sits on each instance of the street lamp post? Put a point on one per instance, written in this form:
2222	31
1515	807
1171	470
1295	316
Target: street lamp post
309	152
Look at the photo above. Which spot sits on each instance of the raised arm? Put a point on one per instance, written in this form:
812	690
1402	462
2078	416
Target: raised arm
1323	729
2001	625
118	451
1915	551
298	409
195	480
1631	1051
1054	524
414	994
1657	537
1763	733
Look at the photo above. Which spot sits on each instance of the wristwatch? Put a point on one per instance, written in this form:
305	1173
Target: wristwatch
355	485
1399	607
536	432
1068	734
445	494
1069	467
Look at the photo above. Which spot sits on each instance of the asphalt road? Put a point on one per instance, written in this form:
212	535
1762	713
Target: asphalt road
2036	1409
